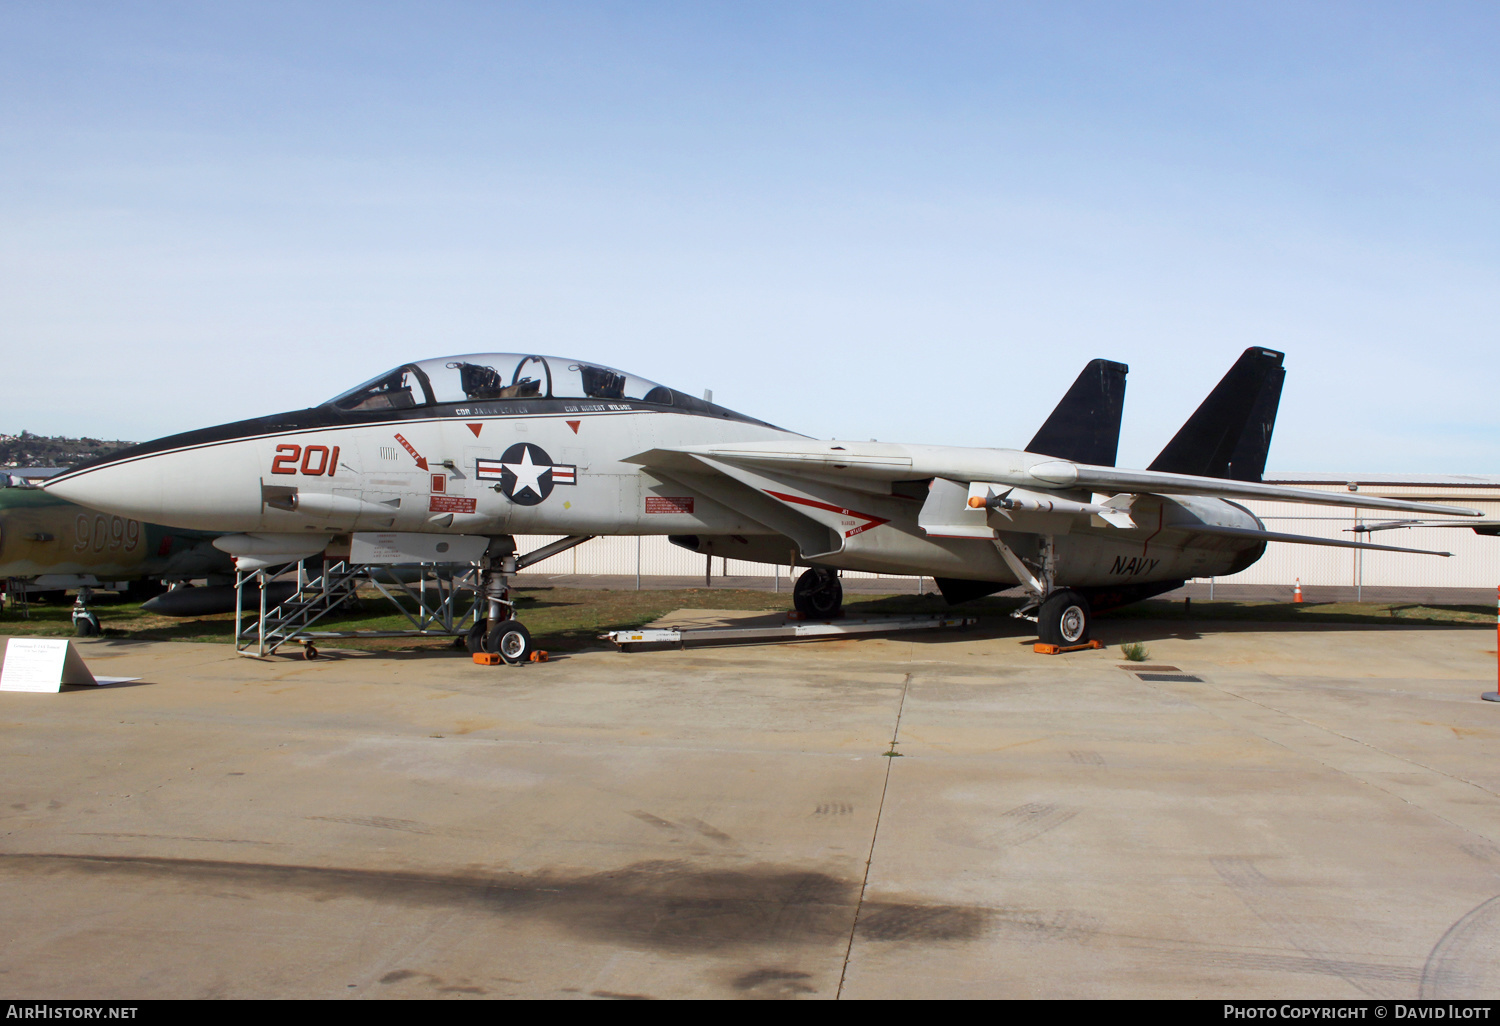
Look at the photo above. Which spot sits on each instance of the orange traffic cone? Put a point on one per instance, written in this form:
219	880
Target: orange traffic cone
1297	591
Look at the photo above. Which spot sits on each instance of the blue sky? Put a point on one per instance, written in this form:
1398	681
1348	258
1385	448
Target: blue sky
905	221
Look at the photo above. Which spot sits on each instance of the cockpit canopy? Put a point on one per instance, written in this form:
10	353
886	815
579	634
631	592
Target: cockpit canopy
484	377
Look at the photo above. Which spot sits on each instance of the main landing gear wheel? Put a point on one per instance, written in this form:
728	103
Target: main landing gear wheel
818	593
511	639
1064	619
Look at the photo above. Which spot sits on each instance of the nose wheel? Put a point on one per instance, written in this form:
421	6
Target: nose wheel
474	639
508	639
500	633
511	640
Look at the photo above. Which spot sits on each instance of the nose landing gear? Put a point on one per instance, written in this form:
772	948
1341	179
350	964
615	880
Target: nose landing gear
499	632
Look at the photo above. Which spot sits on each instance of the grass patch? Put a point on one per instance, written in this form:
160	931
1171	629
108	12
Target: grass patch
570	619
1135	652
560	619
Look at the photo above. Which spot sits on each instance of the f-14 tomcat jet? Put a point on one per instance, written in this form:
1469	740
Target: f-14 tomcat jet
495	445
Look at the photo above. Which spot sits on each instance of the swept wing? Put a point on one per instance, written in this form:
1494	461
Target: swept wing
874	466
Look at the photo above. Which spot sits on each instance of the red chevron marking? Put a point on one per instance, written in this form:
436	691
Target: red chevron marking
870	519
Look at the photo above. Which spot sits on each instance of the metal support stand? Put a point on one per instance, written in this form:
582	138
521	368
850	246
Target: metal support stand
434	607
15	594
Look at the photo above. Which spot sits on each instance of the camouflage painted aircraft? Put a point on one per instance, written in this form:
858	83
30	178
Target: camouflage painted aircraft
50	545
491	446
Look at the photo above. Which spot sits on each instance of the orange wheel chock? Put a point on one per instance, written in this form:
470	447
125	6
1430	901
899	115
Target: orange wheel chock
1041	648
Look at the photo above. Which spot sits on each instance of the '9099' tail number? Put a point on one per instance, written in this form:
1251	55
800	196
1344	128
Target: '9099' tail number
315	460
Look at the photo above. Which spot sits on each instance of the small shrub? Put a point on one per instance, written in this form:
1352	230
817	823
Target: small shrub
1135	652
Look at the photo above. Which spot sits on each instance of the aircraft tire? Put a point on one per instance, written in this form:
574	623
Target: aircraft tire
511	639
474	640
818	593
86	627
1064	619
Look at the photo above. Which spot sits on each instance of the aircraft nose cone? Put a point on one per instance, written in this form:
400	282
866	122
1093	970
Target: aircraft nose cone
206	488
127	489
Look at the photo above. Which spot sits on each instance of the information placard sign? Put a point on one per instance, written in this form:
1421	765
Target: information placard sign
46	664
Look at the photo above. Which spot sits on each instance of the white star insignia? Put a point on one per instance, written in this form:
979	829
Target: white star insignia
528	474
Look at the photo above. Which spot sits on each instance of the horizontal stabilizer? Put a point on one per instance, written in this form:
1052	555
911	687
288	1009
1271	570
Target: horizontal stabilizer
1489	527
1085	426
1297	539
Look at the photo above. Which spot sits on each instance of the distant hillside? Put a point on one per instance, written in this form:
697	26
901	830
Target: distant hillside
28	450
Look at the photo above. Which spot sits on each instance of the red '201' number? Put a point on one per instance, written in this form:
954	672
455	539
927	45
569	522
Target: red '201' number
316	460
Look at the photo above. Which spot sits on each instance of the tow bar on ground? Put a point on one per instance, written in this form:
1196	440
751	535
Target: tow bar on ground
627	640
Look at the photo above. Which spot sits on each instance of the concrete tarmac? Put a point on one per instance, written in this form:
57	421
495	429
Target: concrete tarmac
1315	816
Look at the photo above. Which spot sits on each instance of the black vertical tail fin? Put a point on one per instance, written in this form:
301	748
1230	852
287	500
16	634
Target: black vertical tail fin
1085	426
1248	463
1229	435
